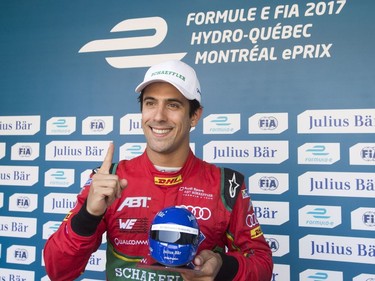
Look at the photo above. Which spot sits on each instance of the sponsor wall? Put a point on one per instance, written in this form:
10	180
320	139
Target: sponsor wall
288	94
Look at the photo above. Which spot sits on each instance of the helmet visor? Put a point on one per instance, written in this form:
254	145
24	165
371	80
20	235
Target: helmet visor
171	233
173	237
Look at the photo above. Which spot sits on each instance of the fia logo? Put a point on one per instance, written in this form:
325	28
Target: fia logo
156	24
368	153
368	218
21	254
268	123
268	183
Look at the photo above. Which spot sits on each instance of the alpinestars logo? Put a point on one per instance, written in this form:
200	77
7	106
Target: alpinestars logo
135	42
233	186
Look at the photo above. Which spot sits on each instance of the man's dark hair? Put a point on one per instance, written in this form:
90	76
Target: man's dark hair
194	105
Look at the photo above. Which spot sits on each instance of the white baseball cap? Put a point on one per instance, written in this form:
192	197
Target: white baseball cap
177	73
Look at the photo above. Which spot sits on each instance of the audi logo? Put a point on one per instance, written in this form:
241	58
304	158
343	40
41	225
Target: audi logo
251	220
200	213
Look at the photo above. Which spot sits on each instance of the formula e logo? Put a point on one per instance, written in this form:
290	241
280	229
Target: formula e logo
158	24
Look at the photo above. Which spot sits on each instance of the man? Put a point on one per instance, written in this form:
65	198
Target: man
122	199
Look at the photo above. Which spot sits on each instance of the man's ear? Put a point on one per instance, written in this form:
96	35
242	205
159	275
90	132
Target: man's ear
196	117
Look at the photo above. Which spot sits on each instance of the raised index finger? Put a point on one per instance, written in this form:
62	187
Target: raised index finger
107	162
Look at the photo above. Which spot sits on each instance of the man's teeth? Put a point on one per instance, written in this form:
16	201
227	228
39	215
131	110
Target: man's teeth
160	131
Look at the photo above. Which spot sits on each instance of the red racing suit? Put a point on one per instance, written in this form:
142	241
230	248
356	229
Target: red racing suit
217	197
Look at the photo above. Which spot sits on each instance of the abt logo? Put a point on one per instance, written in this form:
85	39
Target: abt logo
158	24
134	202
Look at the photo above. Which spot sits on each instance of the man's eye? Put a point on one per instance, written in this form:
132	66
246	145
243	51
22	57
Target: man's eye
148	103
174	105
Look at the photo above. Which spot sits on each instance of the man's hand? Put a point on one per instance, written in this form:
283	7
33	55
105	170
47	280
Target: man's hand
105	187
208	263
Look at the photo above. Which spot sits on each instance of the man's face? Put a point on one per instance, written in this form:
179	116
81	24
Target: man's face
165	119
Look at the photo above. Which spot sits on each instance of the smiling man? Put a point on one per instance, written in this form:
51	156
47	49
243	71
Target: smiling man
122	199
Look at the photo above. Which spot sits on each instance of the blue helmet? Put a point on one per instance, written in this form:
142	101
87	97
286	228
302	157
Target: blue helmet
174	237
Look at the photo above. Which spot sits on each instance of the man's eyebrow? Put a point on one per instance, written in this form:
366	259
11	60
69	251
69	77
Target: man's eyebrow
175	100
149	98
168	100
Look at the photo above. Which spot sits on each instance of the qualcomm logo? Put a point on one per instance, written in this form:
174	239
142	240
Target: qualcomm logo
319	153
222	124
156	24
